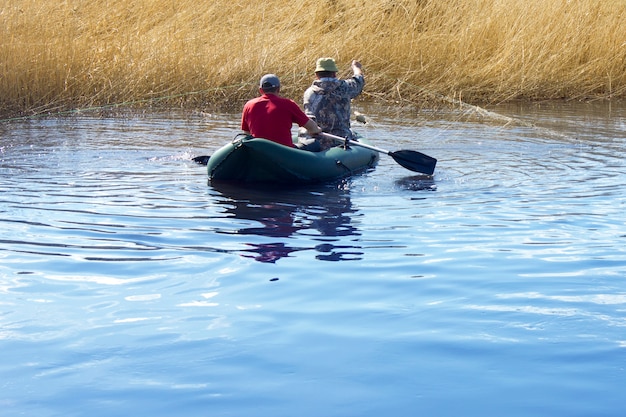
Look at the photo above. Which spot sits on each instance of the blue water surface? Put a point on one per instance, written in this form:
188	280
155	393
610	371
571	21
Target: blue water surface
130	286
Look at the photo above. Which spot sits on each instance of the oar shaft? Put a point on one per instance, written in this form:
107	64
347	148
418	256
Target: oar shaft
361	144
411	160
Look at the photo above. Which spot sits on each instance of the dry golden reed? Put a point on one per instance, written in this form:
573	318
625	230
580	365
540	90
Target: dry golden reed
60	54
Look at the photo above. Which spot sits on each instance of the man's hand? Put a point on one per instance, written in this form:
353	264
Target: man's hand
312	128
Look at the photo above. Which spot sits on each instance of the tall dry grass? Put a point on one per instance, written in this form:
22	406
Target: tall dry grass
59	54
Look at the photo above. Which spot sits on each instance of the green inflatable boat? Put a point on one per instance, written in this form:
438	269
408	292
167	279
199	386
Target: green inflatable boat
252	160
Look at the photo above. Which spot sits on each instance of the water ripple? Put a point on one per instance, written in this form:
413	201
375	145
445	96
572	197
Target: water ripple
128	285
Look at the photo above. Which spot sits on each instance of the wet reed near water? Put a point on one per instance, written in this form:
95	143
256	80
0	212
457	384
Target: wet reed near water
64	54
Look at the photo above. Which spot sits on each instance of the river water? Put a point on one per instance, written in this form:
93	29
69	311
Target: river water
130	286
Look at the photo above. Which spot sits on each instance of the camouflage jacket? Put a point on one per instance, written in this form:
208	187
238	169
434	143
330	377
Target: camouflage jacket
327	102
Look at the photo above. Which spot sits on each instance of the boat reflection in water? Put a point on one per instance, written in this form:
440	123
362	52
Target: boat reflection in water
323	212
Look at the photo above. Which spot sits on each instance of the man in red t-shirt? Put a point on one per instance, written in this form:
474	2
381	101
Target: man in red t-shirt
271	116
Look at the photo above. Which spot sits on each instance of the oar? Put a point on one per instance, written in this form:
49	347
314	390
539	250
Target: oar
202	160
411	160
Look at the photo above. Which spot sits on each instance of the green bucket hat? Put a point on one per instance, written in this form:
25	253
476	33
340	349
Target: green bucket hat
326	64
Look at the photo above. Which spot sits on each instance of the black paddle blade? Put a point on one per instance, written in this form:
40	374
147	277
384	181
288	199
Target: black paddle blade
415	161
202	160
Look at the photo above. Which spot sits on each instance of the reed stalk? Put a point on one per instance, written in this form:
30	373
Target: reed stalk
63	54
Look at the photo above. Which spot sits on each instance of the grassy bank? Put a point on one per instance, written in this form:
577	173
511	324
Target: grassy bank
60	54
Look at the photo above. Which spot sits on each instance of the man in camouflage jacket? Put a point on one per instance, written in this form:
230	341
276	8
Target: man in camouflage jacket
327	100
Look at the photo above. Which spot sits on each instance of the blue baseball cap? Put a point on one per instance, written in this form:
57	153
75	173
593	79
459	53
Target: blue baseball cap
269	81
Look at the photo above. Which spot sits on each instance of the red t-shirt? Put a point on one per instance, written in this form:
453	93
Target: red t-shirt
271	117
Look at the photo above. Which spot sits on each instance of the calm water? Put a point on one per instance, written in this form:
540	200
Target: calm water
129	286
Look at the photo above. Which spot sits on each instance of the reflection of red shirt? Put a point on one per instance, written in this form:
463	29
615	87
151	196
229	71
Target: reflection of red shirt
271	117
